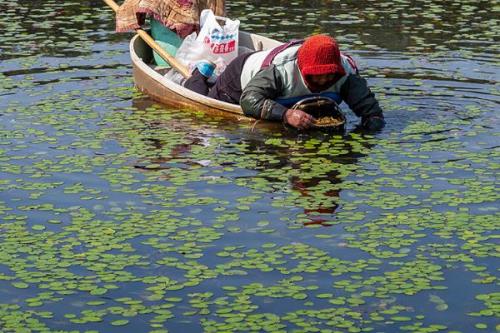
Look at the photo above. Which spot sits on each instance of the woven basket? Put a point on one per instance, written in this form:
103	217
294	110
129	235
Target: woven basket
325	110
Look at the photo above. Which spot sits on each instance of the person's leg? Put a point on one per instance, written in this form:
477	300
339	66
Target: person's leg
227	87
198	83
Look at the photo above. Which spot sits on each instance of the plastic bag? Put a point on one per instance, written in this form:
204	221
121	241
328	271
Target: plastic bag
216	43
221	40
190	52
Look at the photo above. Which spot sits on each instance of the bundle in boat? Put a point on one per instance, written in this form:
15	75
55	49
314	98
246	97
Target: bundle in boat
325	110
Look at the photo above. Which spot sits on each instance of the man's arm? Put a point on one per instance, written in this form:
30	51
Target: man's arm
362	101
257	99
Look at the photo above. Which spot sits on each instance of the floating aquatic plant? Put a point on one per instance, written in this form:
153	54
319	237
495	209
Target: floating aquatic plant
120	214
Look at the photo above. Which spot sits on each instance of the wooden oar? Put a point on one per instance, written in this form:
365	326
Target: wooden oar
151	42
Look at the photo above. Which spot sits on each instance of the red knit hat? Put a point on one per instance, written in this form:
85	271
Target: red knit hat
319	55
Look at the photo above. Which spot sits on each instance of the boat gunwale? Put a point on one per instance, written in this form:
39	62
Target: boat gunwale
191	97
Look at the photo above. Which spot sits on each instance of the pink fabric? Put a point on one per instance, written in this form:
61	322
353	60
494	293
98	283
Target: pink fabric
181	16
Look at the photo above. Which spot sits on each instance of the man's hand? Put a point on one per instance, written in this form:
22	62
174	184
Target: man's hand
298	119
373	123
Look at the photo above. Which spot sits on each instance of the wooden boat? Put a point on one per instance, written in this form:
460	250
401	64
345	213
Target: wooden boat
168	92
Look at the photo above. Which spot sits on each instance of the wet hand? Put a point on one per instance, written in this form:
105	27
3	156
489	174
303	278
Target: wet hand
298	119
373	123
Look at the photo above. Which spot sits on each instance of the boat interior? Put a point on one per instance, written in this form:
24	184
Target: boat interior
248	42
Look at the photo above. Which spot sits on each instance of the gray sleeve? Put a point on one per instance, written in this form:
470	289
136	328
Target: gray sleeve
257	99
356	93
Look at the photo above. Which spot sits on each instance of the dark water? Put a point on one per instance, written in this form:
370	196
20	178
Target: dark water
120	215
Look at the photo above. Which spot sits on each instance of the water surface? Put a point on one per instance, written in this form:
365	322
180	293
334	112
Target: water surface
121	215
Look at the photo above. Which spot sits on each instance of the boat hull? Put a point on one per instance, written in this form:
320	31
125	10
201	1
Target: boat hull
165	91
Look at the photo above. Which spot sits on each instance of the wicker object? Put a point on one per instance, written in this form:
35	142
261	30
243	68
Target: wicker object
325	110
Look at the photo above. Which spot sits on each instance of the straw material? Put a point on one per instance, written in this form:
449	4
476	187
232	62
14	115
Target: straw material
325	110
181	16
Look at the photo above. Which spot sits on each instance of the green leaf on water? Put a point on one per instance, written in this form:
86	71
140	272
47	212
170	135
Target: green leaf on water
120	322
20	285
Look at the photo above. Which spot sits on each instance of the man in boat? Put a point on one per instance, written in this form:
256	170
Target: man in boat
170	20
268	83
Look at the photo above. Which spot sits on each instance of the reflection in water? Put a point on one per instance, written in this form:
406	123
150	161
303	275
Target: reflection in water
314	189
175	147
117	216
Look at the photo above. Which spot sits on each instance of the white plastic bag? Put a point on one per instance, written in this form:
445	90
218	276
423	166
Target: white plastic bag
216	43
221	40
190	52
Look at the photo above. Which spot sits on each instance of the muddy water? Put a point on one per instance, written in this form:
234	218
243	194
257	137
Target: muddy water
121	215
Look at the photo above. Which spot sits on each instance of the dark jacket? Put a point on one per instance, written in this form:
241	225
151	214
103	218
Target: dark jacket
257	99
